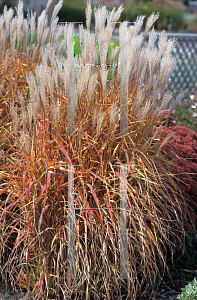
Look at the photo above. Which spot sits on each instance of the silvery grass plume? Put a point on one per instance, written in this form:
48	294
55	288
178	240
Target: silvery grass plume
16	30
52	104
146	70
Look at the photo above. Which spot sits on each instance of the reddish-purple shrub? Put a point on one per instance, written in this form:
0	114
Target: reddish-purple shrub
181	151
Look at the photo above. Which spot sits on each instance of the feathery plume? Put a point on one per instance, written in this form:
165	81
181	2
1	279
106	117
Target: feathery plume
138	99
7	54
48	5
134	54
114	116
13	111
26	141
152	39
25	33
88	15
138	25
143	110
20	19
95	116
55	112
100	121
13	29
151	20
81	36
162	42
178	100
100	18
104	73
42	22
34	98
58	33
91	87
83	74
8	15
1	30
56	11
13	42
44	37
113	54
24	116
152	62
32	25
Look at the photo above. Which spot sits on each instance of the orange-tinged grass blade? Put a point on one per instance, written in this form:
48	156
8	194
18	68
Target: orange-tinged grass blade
69	276
16	242
28	228
41	283
109	210
41	216
96	200
145	243
25	283
132	221
28	254
85	204
38	199
47	185
47	278
9	235
150	238
97	217
97	176
66	154
90	216
110	232
96	150
3	191
21	197
127	156
24	173
55	237
35	286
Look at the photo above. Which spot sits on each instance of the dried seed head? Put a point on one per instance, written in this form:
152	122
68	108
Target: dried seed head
88	15
13	111
114	116
151	20
138	25
56	11
91	87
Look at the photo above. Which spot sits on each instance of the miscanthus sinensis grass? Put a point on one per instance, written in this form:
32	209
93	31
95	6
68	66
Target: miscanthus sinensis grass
51	93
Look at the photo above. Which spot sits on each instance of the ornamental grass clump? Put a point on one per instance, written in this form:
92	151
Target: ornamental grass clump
62	128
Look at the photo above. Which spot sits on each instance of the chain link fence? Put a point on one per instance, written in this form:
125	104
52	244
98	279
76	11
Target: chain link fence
185	73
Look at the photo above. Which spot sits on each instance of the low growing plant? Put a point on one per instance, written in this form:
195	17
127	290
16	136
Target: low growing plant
189	292
185	113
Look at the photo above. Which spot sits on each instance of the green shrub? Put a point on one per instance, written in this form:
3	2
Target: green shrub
186	113
189	292
72	13
166	15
